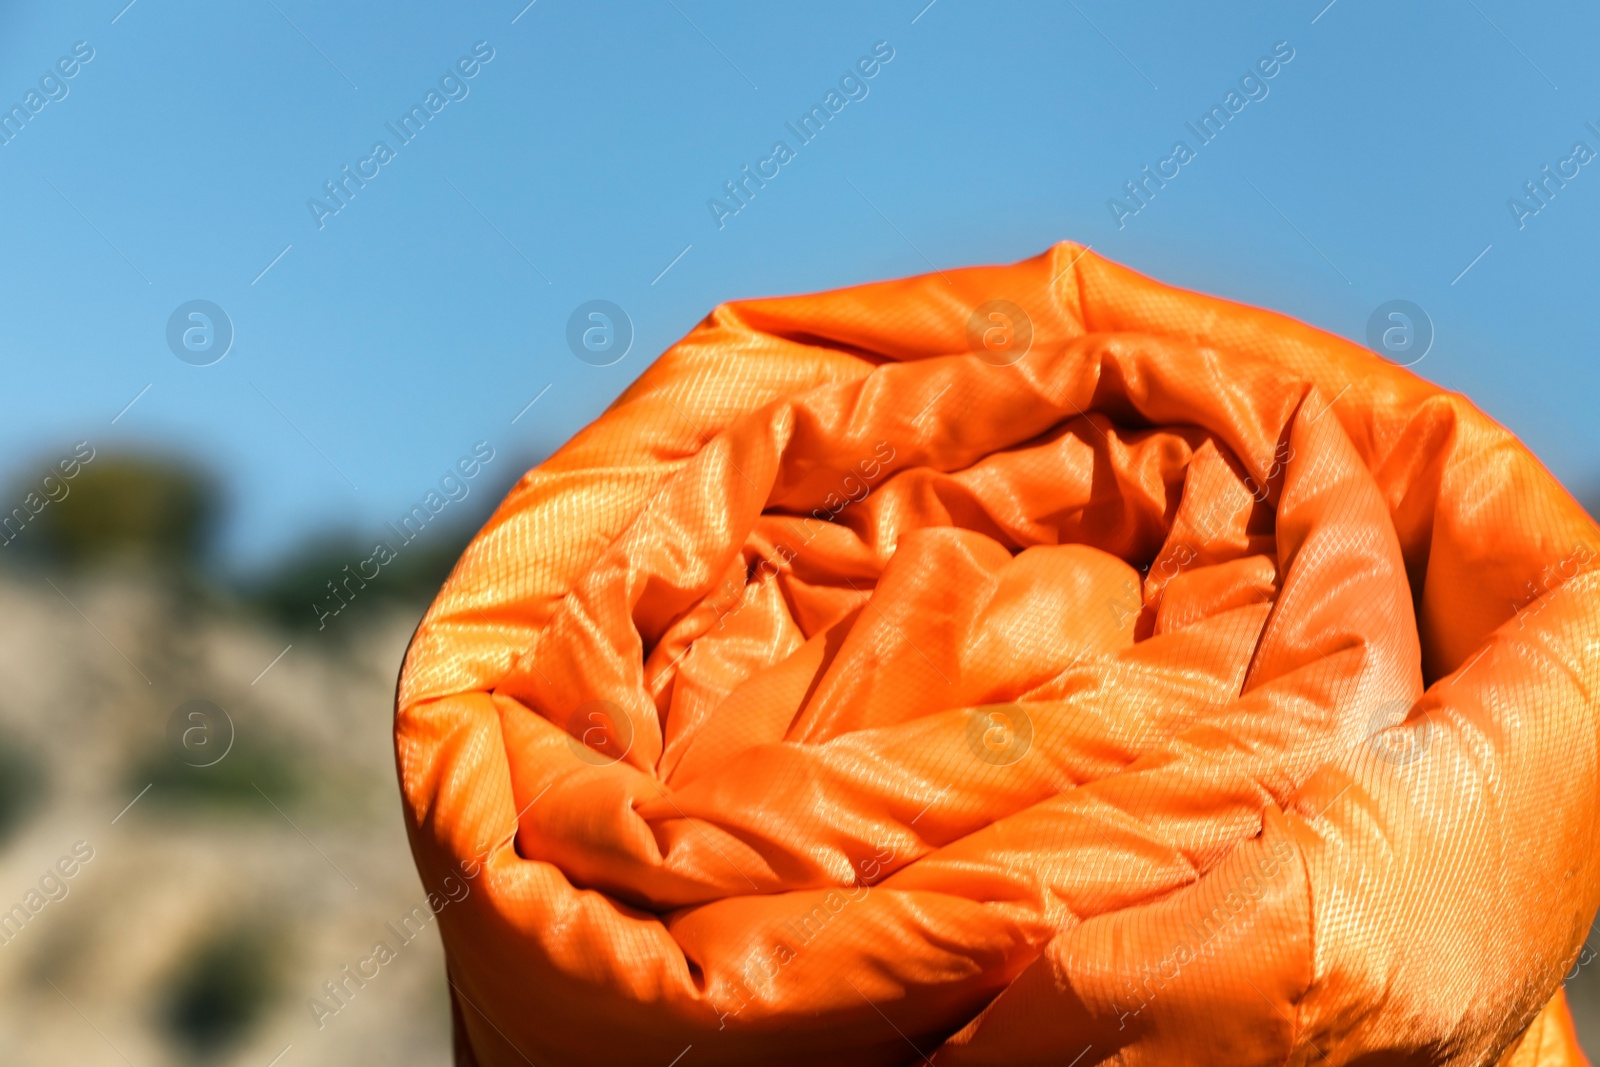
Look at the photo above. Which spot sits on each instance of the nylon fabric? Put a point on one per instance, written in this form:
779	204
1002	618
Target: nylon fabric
1157	680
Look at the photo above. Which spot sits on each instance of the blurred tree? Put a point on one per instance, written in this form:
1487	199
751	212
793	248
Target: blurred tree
254	765
153	508
296	590
21	780
222	987
292	591
123	506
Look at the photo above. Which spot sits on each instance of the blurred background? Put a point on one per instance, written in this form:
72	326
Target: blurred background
243	344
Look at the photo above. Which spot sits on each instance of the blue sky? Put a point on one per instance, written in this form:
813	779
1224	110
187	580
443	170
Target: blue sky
432	307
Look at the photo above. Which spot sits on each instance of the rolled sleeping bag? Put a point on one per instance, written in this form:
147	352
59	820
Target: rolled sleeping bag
1031	664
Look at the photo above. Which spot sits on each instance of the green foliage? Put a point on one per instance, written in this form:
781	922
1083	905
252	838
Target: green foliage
251	768
124	506
288	593
149	509
222	988
20	783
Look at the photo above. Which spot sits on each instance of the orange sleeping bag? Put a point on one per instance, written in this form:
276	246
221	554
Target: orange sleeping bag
1014	665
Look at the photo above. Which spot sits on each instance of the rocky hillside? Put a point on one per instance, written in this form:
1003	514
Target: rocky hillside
180	880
